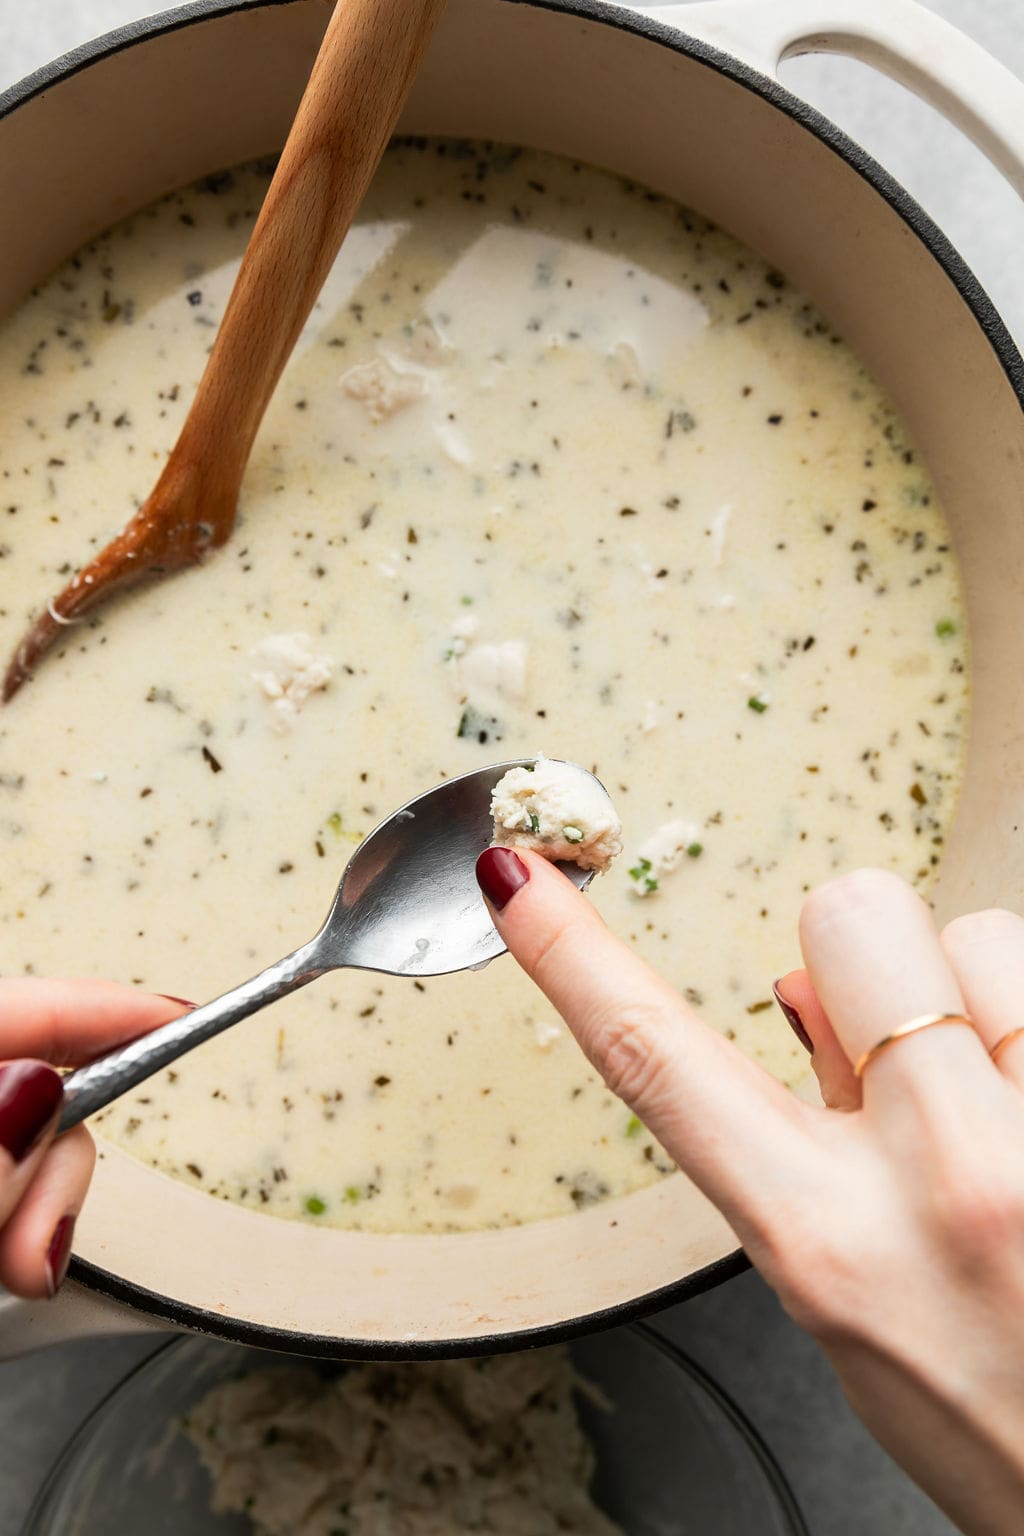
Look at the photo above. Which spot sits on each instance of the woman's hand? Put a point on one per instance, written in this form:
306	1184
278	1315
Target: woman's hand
43	1181
891	1224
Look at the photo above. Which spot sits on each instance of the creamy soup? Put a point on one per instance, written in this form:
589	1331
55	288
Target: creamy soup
556	468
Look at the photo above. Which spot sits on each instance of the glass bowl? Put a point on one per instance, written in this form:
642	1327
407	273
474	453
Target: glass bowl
675	1456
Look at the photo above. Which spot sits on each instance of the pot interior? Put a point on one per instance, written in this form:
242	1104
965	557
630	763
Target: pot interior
214	88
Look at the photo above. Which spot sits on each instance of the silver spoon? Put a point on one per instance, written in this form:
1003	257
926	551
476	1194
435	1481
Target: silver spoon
408	904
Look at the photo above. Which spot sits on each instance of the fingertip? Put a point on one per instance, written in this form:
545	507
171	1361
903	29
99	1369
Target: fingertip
30	1097
500	873
58	1254
793	984
801	1007
786	988
35	1243
35	1271
972	932
855	891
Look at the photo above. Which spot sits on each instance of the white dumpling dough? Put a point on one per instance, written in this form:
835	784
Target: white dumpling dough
663	852
441	1448
559	810
287	671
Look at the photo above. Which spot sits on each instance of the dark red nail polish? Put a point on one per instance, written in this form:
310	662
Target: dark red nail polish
500	873
30	1095
184	1001
58	1255
793	1019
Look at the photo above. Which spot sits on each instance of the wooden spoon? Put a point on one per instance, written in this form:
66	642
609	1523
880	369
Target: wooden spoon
361	77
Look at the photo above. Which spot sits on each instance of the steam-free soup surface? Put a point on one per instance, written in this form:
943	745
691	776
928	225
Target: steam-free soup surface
556	467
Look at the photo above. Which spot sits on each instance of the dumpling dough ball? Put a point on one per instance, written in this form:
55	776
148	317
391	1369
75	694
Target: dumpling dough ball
559	810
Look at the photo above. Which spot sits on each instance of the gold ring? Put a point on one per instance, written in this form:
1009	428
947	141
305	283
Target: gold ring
925	1021
1005	1040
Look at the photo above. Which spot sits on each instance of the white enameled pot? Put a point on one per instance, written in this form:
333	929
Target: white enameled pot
696	114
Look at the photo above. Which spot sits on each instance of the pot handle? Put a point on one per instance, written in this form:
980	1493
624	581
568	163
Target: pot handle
74	1313
901	38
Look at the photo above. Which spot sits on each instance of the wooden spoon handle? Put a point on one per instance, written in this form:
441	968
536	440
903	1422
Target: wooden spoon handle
361	77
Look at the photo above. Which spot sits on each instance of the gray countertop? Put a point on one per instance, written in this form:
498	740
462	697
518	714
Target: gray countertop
846	1485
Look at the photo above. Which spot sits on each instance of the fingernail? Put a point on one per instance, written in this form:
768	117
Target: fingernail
184	1001
30	1094
500	873
58	1255
793	1019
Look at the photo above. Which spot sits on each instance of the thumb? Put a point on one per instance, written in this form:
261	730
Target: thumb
724	1120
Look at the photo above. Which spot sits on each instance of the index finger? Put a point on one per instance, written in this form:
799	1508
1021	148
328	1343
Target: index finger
722	1118
68	1023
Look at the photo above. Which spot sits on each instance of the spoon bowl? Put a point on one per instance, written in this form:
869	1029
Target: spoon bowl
408	904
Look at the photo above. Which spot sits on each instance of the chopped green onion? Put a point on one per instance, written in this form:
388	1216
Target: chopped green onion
467	602
353	1194
315	1206
757	704
641	876
337	826
534	821
572	834
945	627
695	850
634	1125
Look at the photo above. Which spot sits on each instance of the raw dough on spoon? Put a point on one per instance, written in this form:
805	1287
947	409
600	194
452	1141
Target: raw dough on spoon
558	810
